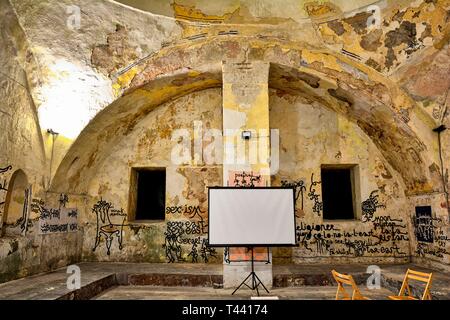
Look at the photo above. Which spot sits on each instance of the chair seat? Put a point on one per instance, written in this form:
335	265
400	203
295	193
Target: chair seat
402	298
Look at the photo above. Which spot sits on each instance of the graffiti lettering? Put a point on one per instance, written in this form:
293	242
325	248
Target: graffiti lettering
327	239
192	212
177	235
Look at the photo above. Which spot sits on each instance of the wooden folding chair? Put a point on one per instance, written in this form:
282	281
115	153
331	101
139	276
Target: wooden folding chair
418	276
342	279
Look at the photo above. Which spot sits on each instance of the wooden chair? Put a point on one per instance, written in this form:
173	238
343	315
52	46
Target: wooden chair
342	279
418	276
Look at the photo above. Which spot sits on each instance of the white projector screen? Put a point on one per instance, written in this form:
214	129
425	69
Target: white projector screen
240	217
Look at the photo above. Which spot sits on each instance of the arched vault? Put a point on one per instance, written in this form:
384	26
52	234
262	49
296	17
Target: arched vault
386	114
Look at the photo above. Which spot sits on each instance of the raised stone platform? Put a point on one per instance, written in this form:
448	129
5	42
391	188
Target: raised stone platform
98	278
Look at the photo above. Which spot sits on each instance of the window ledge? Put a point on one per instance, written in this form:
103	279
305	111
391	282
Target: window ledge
146	222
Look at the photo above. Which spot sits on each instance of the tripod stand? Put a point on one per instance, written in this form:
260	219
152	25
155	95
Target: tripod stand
254	278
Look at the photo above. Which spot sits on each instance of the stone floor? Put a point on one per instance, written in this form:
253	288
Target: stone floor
195	293
201	281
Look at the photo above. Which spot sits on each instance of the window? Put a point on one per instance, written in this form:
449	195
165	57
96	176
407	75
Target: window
149	194
338	190
424	224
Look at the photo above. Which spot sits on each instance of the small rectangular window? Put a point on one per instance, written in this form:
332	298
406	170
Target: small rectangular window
150	194
424	224
338	193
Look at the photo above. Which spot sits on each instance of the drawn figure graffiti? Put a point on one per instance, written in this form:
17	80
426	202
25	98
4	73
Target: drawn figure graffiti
370	206
177	234
317	206
105	227
245	179
63	199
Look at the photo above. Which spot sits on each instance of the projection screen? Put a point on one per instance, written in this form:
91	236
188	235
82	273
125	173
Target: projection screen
240	217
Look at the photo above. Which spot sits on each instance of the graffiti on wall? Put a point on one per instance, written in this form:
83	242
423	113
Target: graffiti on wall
180	234
24	222
191	212
246	179
55	220
63	200
369	206
3	186
432	238
317	204
326	239
423	224
299	189
110	223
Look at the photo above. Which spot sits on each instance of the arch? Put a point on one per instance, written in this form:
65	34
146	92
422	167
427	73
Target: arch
15	202
386	113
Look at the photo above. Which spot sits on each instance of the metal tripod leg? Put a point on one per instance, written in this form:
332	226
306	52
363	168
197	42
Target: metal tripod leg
255	284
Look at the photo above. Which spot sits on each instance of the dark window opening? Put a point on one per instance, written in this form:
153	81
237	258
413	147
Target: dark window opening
337	193
151	194
424	224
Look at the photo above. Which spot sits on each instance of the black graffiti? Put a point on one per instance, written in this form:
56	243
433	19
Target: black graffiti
6	169
117	212
390	229
172	245
179	233
24	222
312	234
63	199
47	228
73	213
105	227
45	213
205	251
423	224
245	179
327	239
430	234
318	205
424	249
192	212
370	206
3	185
49	213
299	189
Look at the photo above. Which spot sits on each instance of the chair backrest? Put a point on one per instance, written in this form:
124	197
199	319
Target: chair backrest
346	279
423	277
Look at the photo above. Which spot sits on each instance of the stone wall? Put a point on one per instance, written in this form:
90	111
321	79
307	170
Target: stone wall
181	237
116	87
23	250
